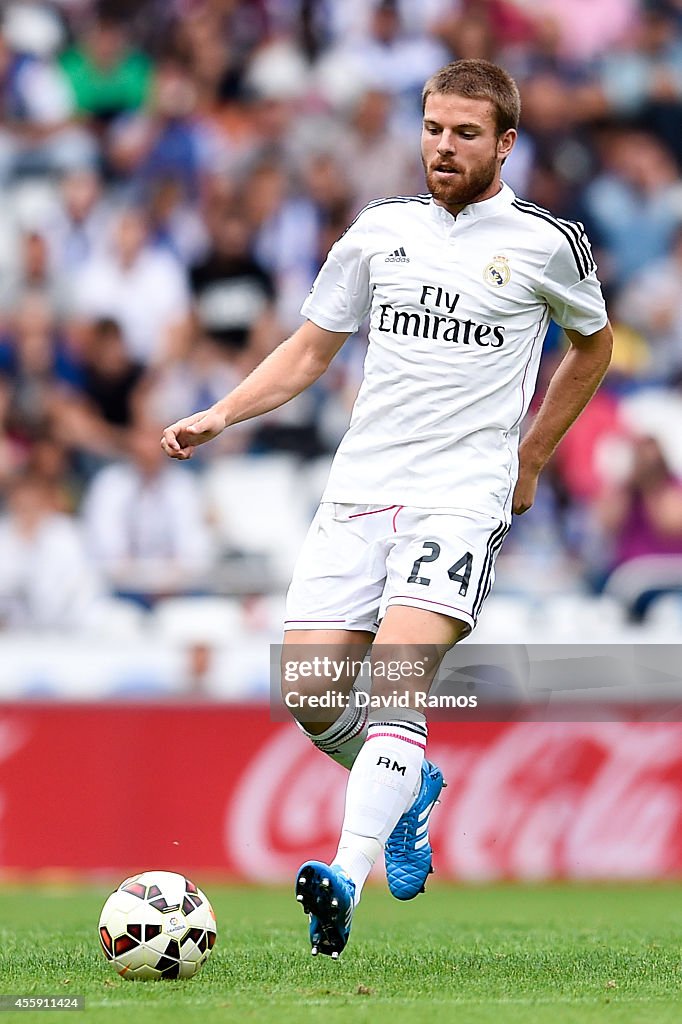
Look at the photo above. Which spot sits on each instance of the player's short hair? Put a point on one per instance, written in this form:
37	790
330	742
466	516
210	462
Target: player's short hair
479	80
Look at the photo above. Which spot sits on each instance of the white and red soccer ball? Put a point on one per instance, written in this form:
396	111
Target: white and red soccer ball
157	925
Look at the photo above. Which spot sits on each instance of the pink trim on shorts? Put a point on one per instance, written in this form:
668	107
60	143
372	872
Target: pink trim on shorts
368	627
467	616
395	736
375	511
399	509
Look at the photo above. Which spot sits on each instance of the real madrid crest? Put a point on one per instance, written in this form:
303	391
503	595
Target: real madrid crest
497	272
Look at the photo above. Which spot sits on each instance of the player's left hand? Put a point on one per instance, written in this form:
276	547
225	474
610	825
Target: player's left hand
524	492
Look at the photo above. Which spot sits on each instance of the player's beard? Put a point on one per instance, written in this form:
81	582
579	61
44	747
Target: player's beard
461	188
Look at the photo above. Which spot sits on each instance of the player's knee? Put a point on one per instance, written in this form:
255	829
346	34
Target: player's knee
296	683
304	699
304	690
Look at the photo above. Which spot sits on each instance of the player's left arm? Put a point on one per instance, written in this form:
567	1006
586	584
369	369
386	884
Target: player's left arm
574	382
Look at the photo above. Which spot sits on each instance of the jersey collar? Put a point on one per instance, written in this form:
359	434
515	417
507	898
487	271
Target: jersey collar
477	211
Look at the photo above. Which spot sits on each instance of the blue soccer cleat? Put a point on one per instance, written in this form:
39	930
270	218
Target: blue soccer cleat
408	850
327	894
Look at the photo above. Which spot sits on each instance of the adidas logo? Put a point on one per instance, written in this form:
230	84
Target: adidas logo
399	256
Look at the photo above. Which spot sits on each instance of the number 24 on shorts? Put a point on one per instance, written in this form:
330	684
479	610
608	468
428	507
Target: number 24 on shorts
460	572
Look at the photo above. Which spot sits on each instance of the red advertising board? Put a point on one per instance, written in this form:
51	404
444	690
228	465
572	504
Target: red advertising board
221	788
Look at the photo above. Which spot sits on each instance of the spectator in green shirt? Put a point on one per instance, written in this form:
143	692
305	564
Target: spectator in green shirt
107	74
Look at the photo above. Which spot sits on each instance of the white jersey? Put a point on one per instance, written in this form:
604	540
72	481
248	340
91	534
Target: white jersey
459	308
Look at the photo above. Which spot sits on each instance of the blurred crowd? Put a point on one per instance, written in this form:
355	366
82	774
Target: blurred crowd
172	174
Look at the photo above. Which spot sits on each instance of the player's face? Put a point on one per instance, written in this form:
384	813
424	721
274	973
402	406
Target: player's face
461	150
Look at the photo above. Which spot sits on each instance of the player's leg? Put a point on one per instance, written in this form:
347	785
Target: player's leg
390	774
326	895
332	609
438	561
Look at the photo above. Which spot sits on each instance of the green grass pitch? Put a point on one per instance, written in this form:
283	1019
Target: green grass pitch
488	955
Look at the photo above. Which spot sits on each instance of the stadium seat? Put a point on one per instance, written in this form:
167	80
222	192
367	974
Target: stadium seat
86	667
241	673
506	619
315	475
657	412
260	506
632	582
117	617
664	614
582	618
216	621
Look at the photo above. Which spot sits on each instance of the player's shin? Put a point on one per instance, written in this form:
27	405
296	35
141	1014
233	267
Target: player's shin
383	783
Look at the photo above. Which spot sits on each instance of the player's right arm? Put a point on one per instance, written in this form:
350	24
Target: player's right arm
296	364
336	306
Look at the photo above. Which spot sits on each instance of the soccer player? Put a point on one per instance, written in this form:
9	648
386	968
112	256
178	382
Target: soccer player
459	285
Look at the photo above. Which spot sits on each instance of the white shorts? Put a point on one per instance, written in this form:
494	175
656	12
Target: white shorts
357	560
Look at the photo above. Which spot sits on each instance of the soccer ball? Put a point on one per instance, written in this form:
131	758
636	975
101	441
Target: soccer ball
157	925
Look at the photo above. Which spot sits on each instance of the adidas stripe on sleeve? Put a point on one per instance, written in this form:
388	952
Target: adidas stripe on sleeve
572	231
569	283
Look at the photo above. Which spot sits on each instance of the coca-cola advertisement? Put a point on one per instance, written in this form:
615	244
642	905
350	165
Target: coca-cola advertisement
223	789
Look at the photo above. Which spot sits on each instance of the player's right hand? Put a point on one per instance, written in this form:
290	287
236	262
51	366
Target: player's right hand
181	438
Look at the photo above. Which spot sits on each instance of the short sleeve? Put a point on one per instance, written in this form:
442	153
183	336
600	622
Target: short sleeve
569	284
341	295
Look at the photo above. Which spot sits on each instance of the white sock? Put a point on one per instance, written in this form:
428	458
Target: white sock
383	782
343	740
356	856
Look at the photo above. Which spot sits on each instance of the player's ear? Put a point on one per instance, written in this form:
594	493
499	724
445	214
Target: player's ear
505	143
